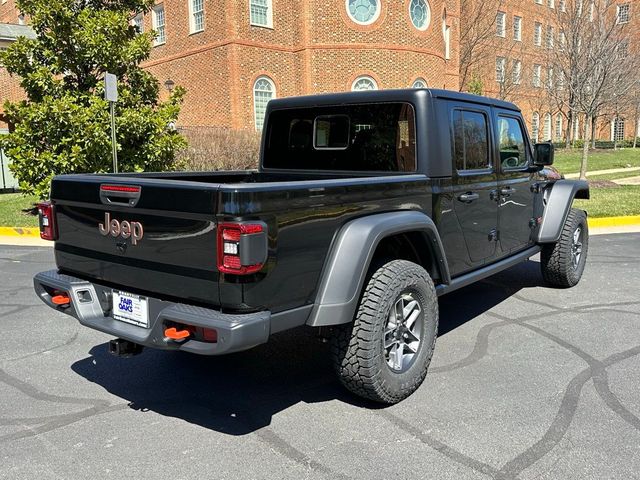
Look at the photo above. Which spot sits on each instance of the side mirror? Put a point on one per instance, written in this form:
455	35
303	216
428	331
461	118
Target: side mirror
543	154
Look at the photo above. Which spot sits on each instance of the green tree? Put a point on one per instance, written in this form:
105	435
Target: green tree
63	126
475	85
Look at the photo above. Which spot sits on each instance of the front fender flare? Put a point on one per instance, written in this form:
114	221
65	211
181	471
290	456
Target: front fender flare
559	200
345	270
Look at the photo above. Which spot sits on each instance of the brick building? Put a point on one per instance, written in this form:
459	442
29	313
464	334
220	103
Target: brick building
515	64
9	86
232	63
233	56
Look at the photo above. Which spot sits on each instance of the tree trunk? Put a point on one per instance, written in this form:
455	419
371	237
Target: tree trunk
636	132
568	130
585	152
593	132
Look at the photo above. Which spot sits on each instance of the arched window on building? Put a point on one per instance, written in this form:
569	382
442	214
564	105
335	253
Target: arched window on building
546	132
576	128
263	91
617	129
419	83
535	126
364	82
558	132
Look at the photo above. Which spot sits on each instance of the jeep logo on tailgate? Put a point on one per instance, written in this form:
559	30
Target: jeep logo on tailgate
122	229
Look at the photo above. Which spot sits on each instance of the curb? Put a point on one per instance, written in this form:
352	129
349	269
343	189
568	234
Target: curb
19	232
631	220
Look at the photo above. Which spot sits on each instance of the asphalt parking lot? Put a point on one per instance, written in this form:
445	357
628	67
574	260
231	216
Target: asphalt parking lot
526	382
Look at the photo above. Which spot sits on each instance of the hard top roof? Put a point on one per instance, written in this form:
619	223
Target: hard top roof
401	95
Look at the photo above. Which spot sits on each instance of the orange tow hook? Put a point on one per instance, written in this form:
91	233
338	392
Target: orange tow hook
61	300
177	335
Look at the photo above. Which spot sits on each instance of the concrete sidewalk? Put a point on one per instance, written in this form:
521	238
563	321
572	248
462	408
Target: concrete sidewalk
603	172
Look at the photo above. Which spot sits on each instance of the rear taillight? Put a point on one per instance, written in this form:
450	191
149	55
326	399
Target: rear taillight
242	247
47	216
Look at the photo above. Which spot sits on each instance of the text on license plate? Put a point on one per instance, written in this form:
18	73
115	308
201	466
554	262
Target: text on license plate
130	308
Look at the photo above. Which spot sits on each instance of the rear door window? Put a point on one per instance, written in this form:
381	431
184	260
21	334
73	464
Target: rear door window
470	141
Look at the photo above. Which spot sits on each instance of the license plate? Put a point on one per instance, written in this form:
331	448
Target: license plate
130	308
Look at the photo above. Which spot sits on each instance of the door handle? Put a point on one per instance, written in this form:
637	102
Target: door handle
468	197
507	191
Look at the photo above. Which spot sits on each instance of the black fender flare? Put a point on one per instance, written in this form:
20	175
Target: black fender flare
348	261
559	198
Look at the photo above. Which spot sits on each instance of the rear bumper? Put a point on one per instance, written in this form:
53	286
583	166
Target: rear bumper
236	332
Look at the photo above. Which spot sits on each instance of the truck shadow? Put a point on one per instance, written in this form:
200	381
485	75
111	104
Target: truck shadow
238	394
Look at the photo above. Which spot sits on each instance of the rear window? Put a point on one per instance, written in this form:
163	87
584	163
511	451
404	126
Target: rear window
470	140
362	137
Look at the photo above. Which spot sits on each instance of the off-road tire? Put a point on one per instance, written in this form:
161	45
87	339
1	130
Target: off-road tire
556	259
357	348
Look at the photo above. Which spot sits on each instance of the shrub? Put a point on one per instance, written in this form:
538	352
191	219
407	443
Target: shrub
214	148
63	125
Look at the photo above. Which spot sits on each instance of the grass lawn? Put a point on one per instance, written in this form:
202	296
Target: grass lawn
11	210
606	201
612	202
568	161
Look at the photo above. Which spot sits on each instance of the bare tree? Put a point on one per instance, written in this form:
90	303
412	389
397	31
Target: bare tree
635	95
594	60
515	70
477	30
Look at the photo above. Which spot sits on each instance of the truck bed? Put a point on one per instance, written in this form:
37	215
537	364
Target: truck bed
176	259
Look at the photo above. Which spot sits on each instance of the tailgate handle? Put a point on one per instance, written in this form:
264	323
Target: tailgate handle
124	195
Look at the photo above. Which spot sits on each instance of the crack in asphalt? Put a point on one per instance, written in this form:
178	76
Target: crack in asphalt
51	422
440	446
66	343
32	392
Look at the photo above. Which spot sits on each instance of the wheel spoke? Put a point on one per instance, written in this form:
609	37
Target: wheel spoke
398	311
392	322
412	319
389	339
413	346
412	336
409	308
399	355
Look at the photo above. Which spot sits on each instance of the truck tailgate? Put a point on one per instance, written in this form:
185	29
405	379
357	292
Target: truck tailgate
140	234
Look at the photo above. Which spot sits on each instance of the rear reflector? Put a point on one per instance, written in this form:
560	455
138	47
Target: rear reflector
47	220
242	247
210	335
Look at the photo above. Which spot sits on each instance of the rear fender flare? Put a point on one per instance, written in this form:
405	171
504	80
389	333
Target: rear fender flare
559	198
349	259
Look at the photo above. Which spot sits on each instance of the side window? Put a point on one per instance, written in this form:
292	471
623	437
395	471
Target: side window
470	140
511	143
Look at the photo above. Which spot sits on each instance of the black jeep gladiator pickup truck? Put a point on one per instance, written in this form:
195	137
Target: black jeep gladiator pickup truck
365	208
